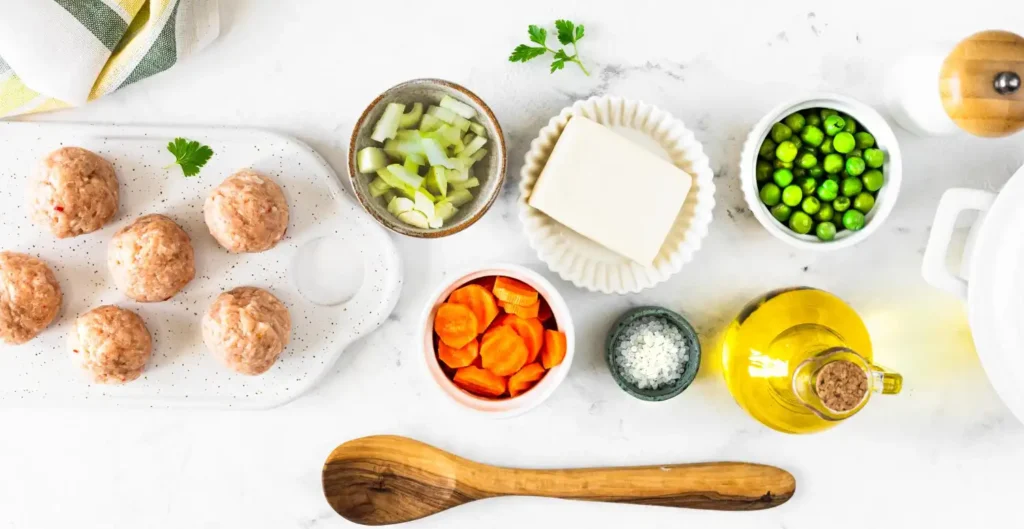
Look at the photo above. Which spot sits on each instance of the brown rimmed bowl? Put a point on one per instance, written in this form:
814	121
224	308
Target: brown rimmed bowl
490	170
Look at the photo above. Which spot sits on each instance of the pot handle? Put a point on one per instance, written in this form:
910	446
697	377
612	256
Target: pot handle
953	202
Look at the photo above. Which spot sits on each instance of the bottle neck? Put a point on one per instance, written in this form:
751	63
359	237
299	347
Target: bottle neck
834	383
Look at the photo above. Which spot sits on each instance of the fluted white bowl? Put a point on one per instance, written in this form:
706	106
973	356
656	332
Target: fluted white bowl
587	264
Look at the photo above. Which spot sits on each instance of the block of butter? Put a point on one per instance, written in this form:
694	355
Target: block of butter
611	190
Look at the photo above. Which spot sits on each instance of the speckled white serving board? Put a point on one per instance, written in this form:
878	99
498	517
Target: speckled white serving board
335	237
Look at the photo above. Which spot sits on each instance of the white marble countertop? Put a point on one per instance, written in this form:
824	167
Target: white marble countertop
945	453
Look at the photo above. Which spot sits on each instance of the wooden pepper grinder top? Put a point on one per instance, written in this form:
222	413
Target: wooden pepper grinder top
980	84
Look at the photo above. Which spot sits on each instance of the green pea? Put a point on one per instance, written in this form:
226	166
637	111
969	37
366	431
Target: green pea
808	185
763	170
810	205
873	180
851	124
853	220
864	202
812	135
786	151
807	160
795	121
828	190
799	172
813	119
826	112
800	222
874	158
864	140
842	143
856	153
770	194
816	172
826	213
825	231
779	164
851	186
854	166
792	195
767	149
840	204
781	132
834	125
781	212
826	146
833	163
783	177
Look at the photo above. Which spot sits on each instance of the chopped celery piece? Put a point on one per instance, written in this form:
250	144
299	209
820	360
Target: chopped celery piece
417	159
435	223
370	159
437	182
468	184
387	125
456	175
458	107
423	204
378	187
474	146
414	218
427	194
402	149
412	166
390	178
460	197
442	114
477	129
399	205
430	123
435	154
444	210
411	118
405	176
447	136
478	155
389	196
468	137
461	123
410	136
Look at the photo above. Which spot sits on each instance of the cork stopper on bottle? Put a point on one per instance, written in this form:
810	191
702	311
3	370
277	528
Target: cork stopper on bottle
841	385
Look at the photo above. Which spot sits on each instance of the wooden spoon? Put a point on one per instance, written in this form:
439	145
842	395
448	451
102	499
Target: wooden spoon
387	479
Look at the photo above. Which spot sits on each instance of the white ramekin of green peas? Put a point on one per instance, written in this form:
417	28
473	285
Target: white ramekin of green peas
821	172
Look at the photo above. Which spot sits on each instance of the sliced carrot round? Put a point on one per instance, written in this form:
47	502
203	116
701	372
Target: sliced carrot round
480	381
502	351
526	378
455	324
523	311
554	349
531	330
513	291
458	357
479	300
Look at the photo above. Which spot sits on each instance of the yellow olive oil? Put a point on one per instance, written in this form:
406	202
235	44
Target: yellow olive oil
782	333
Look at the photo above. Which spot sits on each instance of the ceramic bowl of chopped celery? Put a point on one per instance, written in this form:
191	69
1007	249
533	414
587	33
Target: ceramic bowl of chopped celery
427	158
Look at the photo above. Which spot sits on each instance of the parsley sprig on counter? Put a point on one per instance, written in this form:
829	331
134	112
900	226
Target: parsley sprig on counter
190	155
568	34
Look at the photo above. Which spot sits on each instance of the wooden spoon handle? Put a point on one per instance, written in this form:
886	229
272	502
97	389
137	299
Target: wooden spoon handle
716	486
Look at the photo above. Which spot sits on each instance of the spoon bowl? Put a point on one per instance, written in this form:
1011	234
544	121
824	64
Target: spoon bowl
385	479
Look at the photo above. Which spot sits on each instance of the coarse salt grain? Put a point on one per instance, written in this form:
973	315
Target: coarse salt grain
651	353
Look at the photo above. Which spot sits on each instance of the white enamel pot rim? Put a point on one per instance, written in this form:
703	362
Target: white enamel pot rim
993	282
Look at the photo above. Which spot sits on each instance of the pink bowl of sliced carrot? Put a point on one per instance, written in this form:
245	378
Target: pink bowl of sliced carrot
498	340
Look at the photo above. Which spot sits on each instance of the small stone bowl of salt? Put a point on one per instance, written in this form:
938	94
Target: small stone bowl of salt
653	353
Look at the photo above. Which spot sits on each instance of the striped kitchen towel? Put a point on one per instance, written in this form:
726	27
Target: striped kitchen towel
60	53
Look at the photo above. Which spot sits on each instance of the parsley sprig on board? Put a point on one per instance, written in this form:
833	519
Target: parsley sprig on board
568	34
190	155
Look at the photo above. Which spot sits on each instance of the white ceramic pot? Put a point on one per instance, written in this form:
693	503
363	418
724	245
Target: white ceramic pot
990	282
508	407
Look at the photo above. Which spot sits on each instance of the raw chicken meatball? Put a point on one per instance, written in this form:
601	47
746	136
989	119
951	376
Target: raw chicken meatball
30	297
111	344
72	191
151	259
247	212
247	328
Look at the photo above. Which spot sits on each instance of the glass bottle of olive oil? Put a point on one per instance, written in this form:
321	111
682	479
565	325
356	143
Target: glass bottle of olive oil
800	361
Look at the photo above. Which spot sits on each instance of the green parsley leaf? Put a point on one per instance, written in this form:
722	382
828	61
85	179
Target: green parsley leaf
190	155
523	53
538	35
568	34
